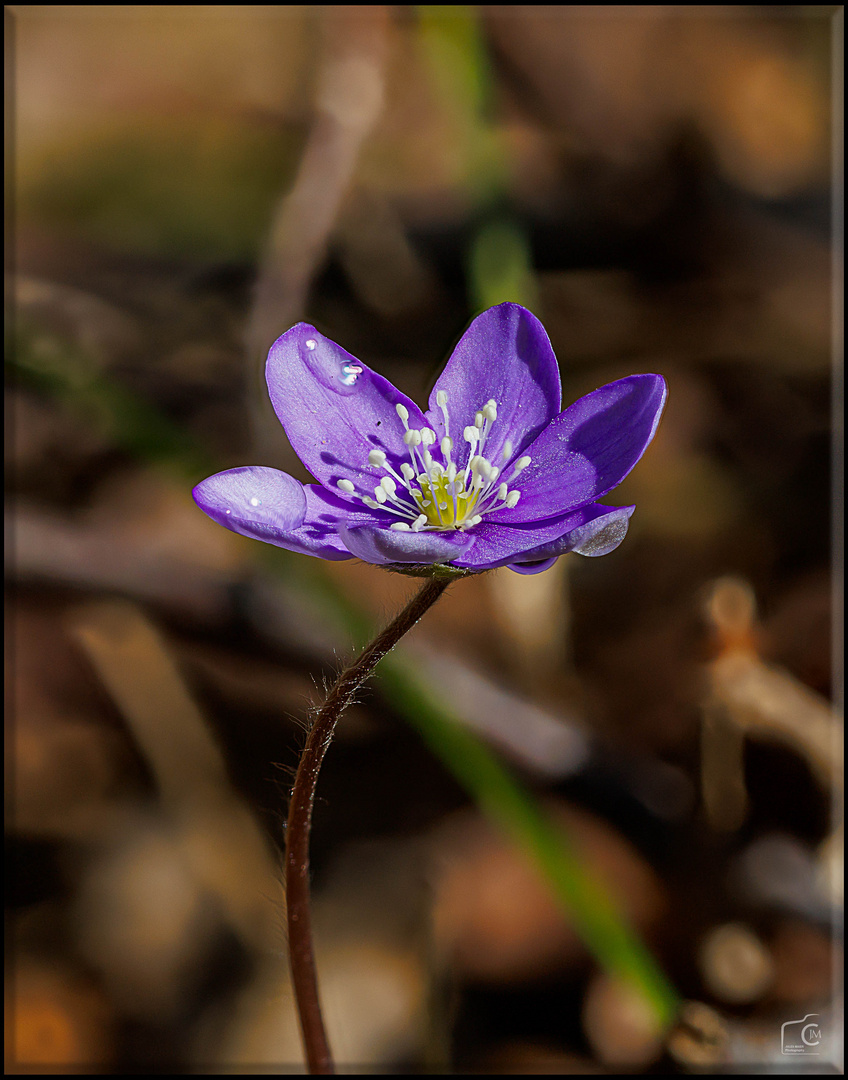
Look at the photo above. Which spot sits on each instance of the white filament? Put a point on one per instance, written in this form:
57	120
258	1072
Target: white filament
425	483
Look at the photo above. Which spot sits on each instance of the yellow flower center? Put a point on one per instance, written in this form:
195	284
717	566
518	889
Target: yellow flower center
445	504
430	492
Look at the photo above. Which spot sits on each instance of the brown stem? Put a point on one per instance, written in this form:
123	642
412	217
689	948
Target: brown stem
301	955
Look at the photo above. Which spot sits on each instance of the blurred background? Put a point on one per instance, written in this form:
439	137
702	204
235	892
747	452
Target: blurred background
656	183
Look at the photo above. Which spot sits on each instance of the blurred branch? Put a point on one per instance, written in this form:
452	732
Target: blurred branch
748	698
349	102
553	746
762	700
219	836
383	267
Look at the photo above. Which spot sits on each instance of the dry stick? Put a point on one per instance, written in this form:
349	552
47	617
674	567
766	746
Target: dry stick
301	954
349	101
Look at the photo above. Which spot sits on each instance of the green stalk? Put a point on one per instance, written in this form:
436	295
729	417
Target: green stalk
580	894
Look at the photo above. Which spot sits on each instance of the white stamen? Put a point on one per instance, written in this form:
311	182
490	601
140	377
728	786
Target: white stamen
423	490
394	475
399	509
432	480
483	468
442	402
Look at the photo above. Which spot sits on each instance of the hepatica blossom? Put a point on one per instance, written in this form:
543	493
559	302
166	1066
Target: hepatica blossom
492	474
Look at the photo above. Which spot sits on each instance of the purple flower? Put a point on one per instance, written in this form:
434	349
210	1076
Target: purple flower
492	474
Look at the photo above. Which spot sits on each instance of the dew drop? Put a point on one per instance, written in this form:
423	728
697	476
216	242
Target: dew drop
334	368
350	373
228	511
255	502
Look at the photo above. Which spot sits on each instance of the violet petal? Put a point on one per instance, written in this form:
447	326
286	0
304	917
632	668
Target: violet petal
588	449
497	545
251	498
335	409
501	545
533	567
504	354
383	545
603	531
286	514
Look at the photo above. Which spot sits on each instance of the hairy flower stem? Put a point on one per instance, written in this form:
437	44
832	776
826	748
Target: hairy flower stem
301	954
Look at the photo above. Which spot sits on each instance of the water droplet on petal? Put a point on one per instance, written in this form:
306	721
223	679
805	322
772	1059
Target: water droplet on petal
255	502
332	367
350	373
228	511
